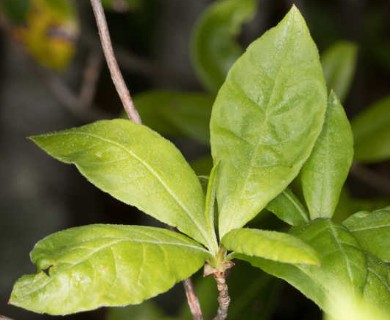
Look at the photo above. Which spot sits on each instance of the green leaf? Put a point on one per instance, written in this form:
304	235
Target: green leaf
176	113
371	130
339	64
213	45
342	262
372	230
265	120
324	173
271	245
88	267
211	195
287	207
374	304
377	288
137	166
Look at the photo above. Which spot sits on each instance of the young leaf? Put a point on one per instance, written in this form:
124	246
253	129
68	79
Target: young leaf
176	113
88	267
339	64
372	230
210	196
265	120
342	262
271	245
371	130
137	166
323	175
287	207
213	46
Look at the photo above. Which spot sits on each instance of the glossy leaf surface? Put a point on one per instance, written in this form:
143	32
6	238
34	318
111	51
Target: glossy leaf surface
324	173
371	130
272	245
105	265
137	166
287	207
265	119
372	229
339	64
342	262
174	114
214	48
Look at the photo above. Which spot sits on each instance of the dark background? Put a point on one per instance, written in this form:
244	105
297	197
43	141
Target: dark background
39	195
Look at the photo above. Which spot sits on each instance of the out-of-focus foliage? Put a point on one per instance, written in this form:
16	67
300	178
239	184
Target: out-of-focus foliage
48	29
122	5
339	64
214	48
371	129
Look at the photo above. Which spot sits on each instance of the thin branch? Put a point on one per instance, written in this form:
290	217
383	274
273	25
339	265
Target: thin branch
4	318
192	299
373	179
91	75
223	297
116	75
66	96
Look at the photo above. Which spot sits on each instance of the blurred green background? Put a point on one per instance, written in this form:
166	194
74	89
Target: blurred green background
53	76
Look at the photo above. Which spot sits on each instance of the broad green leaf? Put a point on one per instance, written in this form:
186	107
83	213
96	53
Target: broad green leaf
88	267
271	245
377	288
213	45
173	113
372	230
265	120
339	64
324	173
287	207
345	306
371	130
137	166
342	262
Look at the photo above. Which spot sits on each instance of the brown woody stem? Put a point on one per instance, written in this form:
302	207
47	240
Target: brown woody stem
116	74
192	299
223	297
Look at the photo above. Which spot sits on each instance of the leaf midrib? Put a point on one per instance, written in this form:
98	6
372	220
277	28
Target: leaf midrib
149	168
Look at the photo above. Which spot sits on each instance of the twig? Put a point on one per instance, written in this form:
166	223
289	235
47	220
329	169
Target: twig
90	77
66	96
372	178
192	299
4	318
223	297
116	75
